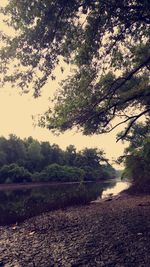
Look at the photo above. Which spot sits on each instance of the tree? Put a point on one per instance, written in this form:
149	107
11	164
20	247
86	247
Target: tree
16	149
137	157
14	174
56	154
34	156
3	151
49	163
3	157
70	155
106	41
55	172
140	131
46	152
12	150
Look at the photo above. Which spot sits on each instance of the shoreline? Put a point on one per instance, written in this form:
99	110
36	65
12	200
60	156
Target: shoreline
107	234
34	185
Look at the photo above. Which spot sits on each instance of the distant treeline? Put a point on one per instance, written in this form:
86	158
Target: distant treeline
29	160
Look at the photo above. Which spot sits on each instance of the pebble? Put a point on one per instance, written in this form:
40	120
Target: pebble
109	234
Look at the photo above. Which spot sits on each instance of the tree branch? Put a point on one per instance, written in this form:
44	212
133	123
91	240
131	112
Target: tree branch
132	122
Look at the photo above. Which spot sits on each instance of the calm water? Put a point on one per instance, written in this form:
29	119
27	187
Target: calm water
17	205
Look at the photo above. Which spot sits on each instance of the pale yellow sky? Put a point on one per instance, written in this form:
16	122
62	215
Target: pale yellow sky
16	117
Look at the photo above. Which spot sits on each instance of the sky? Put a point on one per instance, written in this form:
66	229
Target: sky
16	111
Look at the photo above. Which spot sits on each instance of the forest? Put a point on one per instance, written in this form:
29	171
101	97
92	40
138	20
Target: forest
29	160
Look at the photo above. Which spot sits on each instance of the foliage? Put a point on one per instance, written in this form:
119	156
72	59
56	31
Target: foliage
14	174
55	172
12	151
107	43
109	171
34	155
137	157
29	159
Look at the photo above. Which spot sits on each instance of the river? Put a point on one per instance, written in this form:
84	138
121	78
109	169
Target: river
18	204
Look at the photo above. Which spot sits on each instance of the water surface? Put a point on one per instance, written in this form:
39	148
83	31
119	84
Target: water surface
19	204
116	189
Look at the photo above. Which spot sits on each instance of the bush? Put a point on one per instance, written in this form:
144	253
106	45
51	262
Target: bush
73	174
98	174
37	177
14	174
58	173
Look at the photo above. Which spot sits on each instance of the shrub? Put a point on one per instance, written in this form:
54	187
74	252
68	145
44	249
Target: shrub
14	174
58	173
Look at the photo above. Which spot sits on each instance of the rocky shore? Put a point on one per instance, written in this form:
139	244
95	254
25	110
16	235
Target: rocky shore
107	234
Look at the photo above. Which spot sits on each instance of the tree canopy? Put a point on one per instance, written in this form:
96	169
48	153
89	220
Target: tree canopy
107	43
30	160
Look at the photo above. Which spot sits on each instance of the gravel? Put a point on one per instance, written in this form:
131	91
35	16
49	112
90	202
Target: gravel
106	234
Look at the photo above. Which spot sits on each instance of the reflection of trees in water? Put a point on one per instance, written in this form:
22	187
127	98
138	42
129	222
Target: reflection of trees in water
12	205
18	205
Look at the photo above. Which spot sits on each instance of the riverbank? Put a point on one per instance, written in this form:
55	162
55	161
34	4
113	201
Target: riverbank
107	234
15	186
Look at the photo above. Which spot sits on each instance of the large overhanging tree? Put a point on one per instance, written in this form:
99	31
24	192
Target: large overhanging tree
107	43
